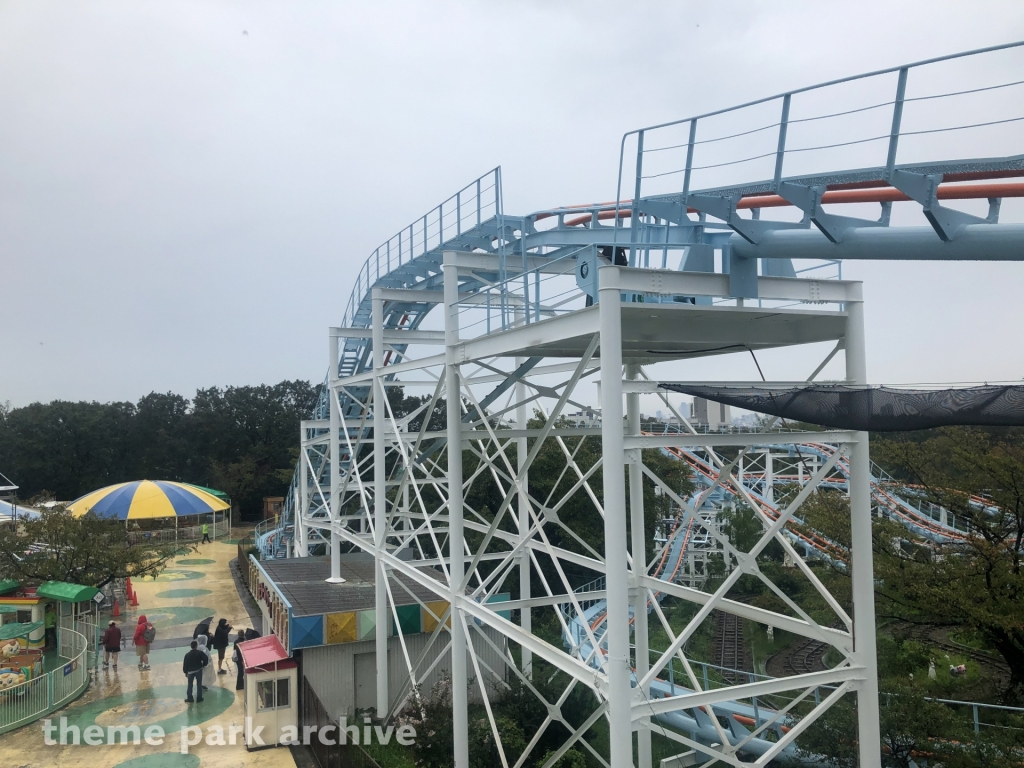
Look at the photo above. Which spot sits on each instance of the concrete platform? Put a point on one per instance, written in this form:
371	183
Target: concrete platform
657	332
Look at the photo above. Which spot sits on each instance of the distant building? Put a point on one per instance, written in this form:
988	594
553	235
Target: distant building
710	414
272	506
588	417
746	420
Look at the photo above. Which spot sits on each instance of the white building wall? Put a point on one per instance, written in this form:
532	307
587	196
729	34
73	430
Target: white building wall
330	669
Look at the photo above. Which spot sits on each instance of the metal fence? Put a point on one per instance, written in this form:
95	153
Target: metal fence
35	698
244	545
474	204
219	529
313	713
866	123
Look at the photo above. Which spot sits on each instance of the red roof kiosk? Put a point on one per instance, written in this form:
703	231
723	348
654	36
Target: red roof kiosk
271	692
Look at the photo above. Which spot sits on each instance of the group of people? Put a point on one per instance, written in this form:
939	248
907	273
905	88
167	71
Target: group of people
198	656
196	659
113	640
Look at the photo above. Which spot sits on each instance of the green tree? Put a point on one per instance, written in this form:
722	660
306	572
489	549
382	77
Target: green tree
82	550
243	440
977	581
571	759
910	726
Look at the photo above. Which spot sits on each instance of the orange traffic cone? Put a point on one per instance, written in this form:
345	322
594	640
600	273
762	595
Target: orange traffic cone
135	600
117	608
128	586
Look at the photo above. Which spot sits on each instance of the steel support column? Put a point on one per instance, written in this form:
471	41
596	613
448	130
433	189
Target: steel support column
298	504
618	693
638	593
335	453
380	445
460	679
525	618
861	557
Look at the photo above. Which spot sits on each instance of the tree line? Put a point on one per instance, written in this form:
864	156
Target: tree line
241	440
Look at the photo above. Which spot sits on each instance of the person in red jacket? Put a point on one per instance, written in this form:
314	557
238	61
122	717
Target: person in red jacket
111	644
145	633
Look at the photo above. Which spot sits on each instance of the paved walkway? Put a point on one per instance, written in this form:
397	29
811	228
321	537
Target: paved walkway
194	587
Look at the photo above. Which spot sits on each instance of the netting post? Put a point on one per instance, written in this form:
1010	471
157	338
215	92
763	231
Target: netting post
456	543
861	558
525	617
380	504
639	547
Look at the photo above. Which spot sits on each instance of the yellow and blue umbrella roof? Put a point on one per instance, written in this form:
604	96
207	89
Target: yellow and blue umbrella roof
143	499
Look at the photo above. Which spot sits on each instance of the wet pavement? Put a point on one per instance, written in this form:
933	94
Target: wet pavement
195	586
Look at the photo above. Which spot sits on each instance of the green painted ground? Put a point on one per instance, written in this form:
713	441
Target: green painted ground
176	575
195	561
173	593
163	706
164	760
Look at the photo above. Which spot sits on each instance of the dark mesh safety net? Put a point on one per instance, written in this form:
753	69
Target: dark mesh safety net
875	409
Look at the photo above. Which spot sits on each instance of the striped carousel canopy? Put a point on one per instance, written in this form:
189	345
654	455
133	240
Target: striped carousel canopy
144	499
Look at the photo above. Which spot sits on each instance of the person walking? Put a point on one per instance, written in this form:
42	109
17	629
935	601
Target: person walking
192	666
236	657
50	626
145	634
206	534
221	638
111	644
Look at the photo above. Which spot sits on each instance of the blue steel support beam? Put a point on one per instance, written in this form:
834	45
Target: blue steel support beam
975	242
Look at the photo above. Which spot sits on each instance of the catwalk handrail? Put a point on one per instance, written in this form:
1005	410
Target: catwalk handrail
883	173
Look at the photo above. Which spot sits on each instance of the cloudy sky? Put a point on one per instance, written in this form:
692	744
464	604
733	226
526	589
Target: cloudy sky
187	189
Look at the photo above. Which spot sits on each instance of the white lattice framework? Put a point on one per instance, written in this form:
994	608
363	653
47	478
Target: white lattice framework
391	490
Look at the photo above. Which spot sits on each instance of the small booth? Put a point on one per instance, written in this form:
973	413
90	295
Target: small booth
271	689
76	608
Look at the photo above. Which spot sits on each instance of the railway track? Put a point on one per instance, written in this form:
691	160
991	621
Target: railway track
729	649
808	656
805	656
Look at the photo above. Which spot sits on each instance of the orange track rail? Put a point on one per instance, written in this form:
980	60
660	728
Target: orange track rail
873	194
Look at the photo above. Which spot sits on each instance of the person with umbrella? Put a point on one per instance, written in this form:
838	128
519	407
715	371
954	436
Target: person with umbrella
221	638
203	628
236	656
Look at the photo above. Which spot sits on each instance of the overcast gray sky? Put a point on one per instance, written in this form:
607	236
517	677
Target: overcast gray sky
187	189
